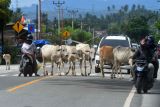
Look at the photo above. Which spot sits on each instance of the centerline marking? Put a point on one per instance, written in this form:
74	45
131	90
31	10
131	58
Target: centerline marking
26	84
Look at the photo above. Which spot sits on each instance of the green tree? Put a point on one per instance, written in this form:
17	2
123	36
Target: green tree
137	28
5	12
82	36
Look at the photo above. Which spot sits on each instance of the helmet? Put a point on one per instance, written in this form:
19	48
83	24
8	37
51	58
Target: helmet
29	37
150	40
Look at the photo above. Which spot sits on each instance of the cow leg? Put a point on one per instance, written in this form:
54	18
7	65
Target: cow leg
69	68
85	67
44	67
19	74
117	71
74	67
90	62
8	65
81	67
113	70
59	66
52	68
101	67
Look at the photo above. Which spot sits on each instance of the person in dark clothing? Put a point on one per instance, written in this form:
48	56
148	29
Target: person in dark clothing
153	47
143	53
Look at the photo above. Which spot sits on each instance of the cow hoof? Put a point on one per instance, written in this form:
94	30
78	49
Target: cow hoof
59	74
89	74
82	74
66	73
19	74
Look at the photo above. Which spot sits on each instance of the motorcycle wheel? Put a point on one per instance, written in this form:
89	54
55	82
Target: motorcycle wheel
145	90
28	70
139	85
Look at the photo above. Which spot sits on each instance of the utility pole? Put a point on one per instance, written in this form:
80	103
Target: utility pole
62	20
39	19
37	23
93	37
73	13
59	4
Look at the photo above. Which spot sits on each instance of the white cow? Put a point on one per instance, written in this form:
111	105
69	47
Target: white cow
51	53
7	58
122	56
84	53
71	58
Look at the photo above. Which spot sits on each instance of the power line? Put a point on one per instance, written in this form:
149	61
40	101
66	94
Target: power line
58	4
73	13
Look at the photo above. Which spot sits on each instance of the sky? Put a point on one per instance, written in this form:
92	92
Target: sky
27	3
23	3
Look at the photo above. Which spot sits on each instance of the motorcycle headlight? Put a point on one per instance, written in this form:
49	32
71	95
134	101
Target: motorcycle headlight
140	68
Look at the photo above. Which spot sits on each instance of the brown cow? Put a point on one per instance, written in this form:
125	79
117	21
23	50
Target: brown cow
106	57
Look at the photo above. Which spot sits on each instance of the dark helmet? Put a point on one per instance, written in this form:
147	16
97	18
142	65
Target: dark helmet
29	37
150	40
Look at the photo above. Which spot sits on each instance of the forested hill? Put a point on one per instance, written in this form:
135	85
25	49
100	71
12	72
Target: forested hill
97	7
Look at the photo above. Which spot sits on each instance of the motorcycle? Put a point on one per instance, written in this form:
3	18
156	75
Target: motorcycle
142	82
26	66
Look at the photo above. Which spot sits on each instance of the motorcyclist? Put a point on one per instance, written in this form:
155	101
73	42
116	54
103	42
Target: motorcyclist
29	49
146	52
153	47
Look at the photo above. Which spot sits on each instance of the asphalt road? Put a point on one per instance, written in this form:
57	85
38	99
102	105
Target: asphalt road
72	91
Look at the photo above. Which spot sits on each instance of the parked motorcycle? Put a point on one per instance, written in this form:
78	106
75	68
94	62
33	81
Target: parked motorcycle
26	66
142	82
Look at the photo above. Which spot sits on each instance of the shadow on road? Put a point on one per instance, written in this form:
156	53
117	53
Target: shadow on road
115	85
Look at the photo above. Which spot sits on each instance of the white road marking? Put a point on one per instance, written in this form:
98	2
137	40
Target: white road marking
129	98
15	75
3	75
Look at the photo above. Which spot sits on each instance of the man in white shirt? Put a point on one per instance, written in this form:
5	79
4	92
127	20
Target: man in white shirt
30	49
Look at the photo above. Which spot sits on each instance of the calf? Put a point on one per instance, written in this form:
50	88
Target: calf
7	58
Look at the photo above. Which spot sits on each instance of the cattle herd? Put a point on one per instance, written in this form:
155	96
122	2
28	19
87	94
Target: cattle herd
82	53
59	55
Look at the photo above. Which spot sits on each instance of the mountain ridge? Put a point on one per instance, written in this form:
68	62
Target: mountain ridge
97	7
